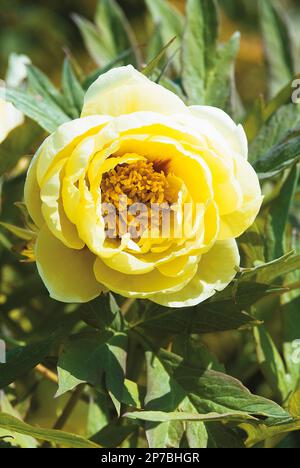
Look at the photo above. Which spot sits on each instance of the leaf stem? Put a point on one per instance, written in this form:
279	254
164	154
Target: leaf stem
47	373
75	397
126	306
293	286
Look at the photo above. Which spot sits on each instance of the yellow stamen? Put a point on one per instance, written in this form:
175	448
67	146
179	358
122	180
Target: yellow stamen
134	183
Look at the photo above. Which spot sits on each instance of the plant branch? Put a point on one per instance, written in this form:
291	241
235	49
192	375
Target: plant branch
75	397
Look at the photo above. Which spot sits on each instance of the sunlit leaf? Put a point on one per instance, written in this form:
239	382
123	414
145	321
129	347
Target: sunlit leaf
64	439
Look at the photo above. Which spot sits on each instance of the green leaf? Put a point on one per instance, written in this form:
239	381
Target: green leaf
103	313
21	233
93	41
23	359
271	364
169	21
18	440
262	113
20	142
154	63
260	432
48	117
114	434
211	391
91	355
274	130
98	414
294	404
267	273
42	88
226	311
220	81
178	385
72	90
278	216
116	32
160	416
193	350
61	438
278	159
291	330
199	47
290	312
277	45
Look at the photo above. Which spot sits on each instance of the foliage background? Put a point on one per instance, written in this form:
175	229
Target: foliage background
107	366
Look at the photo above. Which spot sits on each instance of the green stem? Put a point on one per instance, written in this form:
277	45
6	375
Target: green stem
70	406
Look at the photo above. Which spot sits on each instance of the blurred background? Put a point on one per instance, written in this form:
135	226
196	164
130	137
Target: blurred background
43	29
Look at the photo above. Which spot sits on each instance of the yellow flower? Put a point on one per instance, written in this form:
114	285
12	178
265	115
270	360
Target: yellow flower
10	118
139	143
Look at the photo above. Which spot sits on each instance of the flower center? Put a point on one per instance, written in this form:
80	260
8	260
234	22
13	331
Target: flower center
140	182
143	183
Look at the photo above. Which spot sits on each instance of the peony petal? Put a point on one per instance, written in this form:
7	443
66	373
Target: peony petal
32	194
53	210
216	270
61	143
219	127
124	90
140	286
236	223
67	273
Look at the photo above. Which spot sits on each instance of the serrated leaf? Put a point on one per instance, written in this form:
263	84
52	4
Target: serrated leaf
64	439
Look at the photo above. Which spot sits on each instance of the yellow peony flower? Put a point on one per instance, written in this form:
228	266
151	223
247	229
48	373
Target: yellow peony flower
138	145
